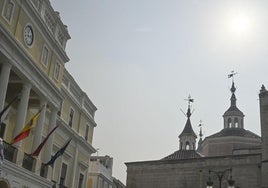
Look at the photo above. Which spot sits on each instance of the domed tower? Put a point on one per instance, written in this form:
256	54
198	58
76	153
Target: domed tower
233	138
233	117
188	136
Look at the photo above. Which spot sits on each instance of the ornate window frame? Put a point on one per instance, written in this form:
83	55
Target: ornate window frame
11	13
44	60
57	68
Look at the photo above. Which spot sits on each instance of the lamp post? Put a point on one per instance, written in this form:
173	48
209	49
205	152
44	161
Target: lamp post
220	175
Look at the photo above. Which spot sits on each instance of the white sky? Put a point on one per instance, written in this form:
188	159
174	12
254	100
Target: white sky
139	59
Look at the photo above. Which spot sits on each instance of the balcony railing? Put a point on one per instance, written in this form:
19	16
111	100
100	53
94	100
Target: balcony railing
9	152
28	162
62	186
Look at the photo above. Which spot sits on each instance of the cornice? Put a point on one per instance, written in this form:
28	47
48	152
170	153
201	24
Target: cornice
13	169
79	106
70	133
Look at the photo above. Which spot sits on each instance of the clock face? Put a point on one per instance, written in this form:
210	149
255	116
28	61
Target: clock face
28	35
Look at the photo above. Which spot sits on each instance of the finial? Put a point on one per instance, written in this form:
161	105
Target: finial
263	89
233	88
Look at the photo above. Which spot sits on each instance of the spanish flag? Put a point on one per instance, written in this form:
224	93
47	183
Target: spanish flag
27	128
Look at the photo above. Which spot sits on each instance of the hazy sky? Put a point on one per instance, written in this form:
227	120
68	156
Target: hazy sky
139	59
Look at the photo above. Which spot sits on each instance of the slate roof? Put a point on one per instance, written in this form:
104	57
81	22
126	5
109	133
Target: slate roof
234	132
188	130
183	154
233	110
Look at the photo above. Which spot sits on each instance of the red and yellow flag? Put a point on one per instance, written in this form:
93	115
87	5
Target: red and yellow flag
27	128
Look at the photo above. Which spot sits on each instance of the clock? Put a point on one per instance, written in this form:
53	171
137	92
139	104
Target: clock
28	35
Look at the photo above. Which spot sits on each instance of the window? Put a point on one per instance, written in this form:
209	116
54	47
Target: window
8	10
63	173
81	180
236	123
57	71
86	133
187	146
71	115
44	57
229	123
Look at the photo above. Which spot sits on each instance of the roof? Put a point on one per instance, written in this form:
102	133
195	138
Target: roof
183	154
233	110
188	130
234	132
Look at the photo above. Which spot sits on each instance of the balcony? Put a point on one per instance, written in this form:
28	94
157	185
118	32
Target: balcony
28	162
9	152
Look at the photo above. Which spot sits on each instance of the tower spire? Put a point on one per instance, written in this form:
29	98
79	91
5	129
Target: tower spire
199	149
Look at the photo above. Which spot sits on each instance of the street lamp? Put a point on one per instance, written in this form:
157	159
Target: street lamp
220	175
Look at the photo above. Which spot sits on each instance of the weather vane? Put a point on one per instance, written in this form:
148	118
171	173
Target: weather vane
233	73
190	100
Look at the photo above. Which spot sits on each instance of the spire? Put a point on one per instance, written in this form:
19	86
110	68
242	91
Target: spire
199	149
200	131
233	97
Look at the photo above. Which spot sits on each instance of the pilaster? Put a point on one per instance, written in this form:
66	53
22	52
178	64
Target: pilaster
49	145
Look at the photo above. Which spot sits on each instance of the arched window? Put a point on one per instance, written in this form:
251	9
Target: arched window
236	122
229	123
187	147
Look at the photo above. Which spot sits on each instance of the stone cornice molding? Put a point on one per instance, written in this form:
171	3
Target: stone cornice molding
67	132
12	169
80	107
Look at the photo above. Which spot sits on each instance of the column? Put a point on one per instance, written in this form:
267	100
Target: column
22	108
39	125
21	115
4	77
49	144
38	134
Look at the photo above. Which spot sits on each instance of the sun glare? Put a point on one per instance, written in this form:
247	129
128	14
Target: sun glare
240	25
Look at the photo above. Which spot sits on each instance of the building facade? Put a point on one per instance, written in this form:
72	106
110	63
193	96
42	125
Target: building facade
232	154
101	173
32	65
